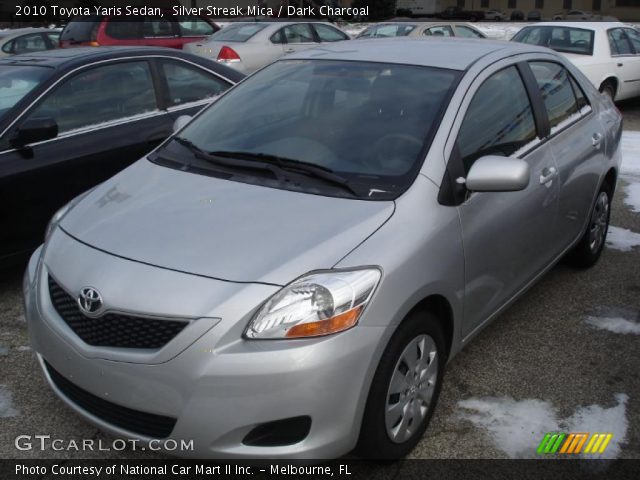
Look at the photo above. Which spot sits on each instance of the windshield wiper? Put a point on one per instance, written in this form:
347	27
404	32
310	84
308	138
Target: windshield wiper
299	166
226	161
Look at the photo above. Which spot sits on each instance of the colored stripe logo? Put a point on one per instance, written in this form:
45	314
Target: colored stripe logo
573	443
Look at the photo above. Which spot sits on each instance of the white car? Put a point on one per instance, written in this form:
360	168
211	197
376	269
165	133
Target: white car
608	53
249	46
421	29
575	15
495	15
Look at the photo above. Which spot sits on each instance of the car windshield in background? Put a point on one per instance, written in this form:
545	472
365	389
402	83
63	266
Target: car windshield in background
560	39
368	123
388	30
238	33
16	82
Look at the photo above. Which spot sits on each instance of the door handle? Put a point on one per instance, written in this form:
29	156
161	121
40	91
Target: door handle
596	140
548	174
290	50
621	64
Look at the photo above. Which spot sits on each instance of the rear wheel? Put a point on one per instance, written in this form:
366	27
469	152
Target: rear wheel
609	89
589	248
405	389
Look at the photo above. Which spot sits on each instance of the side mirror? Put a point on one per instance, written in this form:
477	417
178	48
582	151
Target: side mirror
37	129
498	174
180	122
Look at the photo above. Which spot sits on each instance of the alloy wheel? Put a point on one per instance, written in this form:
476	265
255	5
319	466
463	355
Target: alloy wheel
599	222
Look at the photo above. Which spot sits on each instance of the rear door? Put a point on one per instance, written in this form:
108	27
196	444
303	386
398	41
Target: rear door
107	116
577	141
508	237
298	37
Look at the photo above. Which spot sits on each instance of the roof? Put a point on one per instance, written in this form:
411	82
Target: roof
68	56
589	25
451	53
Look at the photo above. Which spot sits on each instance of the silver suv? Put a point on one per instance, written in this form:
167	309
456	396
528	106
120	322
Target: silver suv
287	276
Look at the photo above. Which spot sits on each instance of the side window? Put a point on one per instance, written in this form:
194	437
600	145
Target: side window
157	27
298	33
329	34
499	120
619	42
123	30
464	31
190	84
441	31
192	26
54	38
557	92
634	37
278	37
581	98
100	94
29	43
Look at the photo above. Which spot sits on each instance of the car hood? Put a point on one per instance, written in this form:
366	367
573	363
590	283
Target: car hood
220	228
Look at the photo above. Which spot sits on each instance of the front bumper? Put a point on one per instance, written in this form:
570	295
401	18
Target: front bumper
218	388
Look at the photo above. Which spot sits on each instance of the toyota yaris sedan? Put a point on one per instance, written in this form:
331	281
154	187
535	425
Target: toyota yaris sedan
289	273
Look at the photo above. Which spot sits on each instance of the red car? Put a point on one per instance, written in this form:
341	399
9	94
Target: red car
168	31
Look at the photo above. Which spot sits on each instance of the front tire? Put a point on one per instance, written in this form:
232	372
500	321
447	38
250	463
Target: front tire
405	389
608	89
588	250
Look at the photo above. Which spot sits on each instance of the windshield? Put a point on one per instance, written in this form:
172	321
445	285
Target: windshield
560	39
238	33
388	30
16	82
368	122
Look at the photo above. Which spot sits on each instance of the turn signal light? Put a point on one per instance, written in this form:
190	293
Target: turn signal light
336	324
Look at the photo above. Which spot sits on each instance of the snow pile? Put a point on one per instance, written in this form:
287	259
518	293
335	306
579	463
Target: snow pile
616	320
500	30
622	239
517	427
6	405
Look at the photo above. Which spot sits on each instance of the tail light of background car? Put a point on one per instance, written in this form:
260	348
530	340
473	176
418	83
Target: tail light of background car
228	55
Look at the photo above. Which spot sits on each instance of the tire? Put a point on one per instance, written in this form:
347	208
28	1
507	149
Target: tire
588	250
390	435
609	89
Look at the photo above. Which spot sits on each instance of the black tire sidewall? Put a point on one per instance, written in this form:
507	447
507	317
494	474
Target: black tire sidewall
374	442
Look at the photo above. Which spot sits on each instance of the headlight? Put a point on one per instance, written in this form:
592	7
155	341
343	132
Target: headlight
55	220
316	304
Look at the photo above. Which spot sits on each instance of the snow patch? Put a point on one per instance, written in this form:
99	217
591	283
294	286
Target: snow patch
622	239
6	404
632	192
517	426
616	320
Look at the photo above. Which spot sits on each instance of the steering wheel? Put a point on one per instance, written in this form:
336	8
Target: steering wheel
390	152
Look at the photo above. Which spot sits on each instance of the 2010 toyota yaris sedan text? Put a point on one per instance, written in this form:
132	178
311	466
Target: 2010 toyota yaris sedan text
288	274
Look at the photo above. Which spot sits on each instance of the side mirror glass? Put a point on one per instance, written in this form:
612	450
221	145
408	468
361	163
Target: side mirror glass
180	122
498	174
33	130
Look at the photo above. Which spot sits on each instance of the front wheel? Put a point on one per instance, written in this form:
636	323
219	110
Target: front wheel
588	250
405	389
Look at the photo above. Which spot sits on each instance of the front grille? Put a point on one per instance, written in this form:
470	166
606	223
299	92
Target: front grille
146	424
113	329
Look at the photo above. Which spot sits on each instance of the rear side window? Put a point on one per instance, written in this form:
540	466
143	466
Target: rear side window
239	32
499	120
464	31
34	42
388	30
193	26
560	39
190	84
441	31
619	42
557	92
329	34
124	29
100	94
634	38
157	27
298	33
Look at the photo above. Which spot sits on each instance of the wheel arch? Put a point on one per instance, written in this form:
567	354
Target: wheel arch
612	80
440	307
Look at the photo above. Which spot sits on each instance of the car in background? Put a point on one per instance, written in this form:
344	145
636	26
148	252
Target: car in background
71	118
249	46
517	16
459	13
534	16
167	31
608	53
574	15
495	15
28	40
420	29
288	275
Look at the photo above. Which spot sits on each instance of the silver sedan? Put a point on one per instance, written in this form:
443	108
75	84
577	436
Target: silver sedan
28	40
288	275
249	46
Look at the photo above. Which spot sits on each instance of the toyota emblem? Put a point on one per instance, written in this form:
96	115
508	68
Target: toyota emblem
90	301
